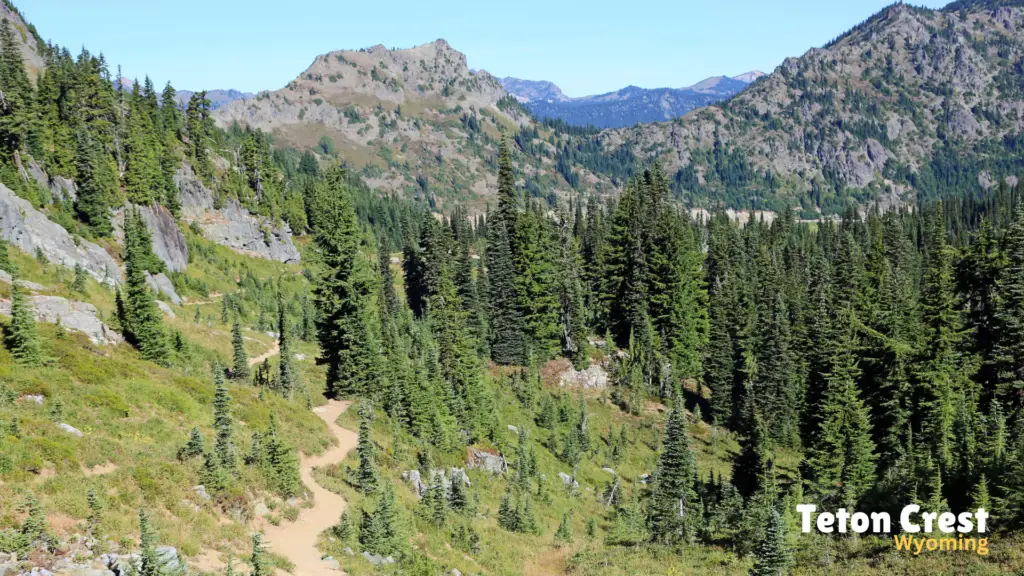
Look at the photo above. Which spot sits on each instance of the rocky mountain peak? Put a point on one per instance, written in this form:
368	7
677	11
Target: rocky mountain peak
27	37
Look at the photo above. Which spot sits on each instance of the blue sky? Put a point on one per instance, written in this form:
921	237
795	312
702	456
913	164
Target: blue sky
584	47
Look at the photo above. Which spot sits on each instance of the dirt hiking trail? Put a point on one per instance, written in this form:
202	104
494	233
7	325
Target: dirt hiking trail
297	540
274	350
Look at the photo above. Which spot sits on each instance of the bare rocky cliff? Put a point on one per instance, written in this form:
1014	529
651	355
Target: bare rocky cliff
232	225
30	230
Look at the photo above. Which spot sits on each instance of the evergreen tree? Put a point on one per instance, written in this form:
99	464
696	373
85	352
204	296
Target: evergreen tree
575	344
240	371
718	359
5	258
340	292
35	529
139	317
286	377
212	474
194	447
841	460
281	462
536	281
505	318
94	513
17	113
343	530
149	561
381	532
674	513
1009	348
257	563
97	185
20	336
755	461
772	558
564	532
222	422
939	370
367	477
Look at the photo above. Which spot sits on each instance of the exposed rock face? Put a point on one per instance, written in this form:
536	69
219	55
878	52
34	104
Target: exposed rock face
593	377
493	463
161	284
73	315
28	229
233	226
437	475
28	42
165	308
31	286
168	242
61	188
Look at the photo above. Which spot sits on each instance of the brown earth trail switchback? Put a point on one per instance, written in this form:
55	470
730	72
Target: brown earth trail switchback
296	541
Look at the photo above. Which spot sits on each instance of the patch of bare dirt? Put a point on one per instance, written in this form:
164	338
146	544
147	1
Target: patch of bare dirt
99	470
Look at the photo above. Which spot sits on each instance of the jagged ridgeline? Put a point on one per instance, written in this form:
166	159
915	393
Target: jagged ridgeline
561	381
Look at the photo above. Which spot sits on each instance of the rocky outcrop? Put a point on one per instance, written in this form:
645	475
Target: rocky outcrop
165	308
483	460
29	230
77	316
437	476
593	377
161	284
232	225
30	286
168	242
61	188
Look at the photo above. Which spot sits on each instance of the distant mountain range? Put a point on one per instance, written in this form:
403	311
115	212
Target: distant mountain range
217	98
627	106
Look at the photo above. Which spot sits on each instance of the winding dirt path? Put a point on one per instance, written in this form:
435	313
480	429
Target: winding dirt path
297	540
274	350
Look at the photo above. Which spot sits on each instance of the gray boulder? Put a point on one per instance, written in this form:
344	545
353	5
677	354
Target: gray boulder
168	558
377	559
161	284
29	229
232	225
70	429
413	477
165	308
567	480
593	377
480	459
77	316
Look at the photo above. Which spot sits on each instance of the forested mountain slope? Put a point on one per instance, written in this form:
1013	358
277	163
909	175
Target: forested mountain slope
415	121
911	102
